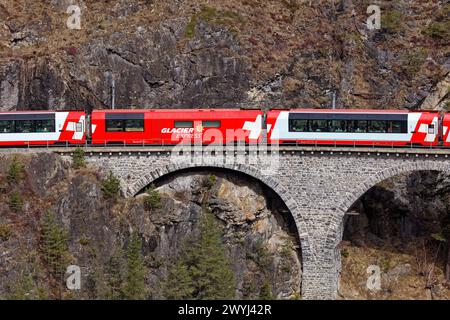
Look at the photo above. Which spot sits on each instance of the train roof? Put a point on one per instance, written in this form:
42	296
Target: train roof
355	111
38	111
226	110
173	110
258	110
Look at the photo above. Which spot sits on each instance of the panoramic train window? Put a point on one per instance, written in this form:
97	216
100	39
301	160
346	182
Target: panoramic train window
27	126
298	125
377	126
45	125
211	124
397	127
114	125
6	126
337	126
318	125
358	126
184	124
134	125
346	123
24	126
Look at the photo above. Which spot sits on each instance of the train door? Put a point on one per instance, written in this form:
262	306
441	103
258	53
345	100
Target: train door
79	128
433	130
441	129
88	128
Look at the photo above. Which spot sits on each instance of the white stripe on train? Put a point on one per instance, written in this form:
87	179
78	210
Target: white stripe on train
280	132
60	120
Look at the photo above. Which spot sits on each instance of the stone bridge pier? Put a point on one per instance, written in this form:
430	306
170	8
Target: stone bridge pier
318	185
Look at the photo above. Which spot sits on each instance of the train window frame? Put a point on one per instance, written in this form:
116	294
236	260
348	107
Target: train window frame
403	126
178	124
354	128
292	125
79	127
135	128
108	128
370	126
431	129
51	125
32	128
343	128
12	126
35	123
217	122
317	122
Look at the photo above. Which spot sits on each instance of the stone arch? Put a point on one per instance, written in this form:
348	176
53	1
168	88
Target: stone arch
307	250
334	235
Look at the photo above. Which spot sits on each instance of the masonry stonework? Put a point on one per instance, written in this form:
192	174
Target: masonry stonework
317	187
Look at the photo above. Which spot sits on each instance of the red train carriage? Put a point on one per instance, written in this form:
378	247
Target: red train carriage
171	127
42	127
354	127
303	126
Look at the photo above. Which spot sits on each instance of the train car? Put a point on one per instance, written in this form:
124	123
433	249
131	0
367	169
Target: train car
170	127
353	127
24	128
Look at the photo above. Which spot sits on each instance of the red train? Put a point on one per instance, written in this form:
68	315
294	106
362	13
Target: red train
170	127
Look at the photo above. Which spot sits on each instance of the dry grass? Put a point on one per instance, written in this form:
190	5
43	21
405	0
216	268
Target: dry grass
411	286
264	27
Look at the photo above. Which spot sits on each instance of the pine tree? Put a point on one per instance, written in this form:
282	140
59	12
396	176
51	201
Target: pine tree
111	186
26	285
54	245
266	291
135	288
209	266
97	282
179	285
15	202
23	288
15	171
152	199
78	158
115	275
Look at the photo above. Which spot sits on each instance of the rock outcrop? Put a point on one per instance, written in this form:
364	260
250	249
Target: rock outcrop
401	226
215	54
255	225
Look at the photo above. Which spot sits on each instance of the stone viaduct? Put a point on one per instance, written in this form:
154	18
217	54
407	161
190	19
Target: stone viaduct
317	184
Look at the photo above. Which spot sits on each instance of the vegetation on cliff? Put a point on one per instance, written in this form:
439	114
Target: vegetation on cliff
205	269
401	227
134	287
163	244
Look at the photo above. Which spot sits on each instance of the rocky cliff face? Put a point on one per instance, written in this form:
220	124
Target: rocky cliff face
214	54
258	241
401	226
